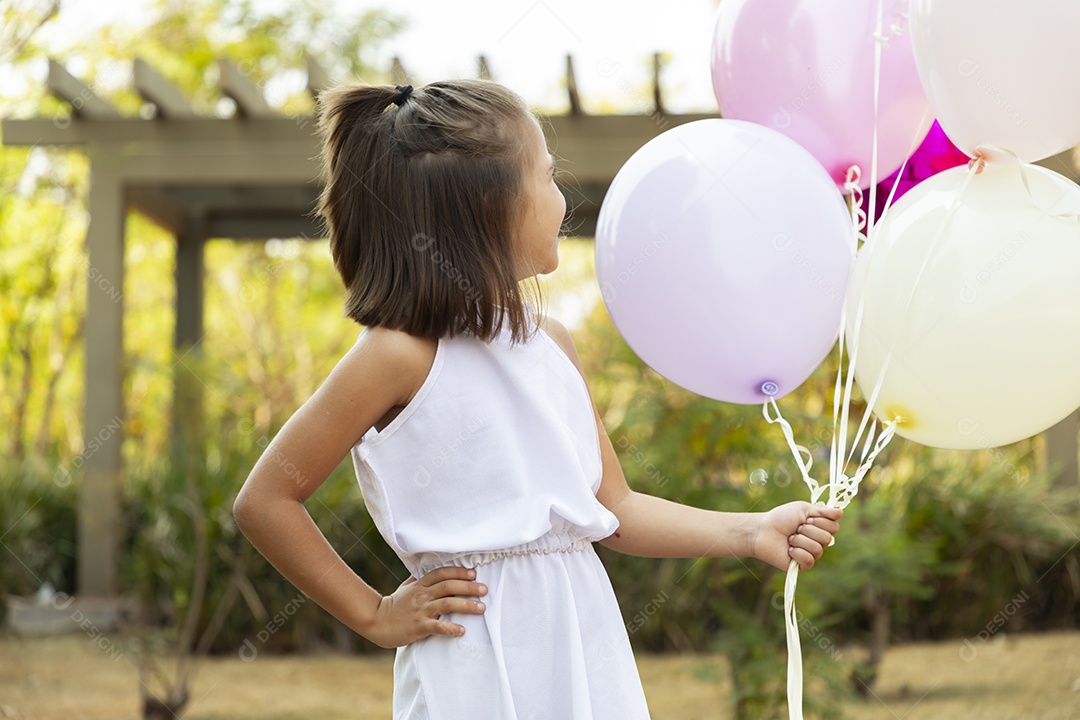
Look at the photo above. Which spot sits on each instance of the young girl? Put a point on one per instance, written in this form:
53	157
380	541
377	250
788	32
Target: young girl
479	452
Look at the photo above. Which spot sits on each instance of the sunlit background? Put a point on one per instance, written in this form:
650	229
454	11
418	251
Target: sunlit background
954	588
526	44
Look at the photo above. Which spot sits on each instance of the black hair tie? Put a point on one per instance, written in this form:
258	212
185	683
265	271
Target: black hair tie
403	94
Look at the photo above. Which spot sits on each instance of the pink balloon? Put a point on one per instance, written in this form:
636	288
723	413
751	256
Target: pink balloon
806	68
722	253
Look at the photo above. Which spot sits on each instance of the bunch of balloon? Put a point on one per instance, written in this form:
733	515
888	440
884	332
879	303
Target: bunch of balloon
731	263
838	77
969	294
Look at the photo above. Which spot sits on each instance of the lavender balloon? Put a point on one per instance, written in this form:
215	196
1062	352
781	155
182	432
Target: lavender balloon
723	250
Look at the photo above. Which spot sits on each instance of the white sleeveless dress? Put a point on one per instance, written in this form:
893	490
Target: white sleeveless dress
495	463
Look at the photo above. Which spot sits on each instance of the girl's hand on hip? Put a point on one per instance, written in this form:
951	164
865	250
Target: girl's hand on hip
796	531
412	612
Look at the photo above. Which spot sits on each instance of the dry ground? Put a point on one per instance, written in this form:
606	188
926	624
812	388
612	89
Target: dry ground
1030	676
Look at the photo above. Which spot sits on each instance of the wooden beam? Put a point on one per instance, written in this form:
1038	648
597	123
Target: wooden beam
282	150
154	88
157	207
235	84
318	79
263	226
571	88
594	147
238	166
184	133
255	197
484	71
84	102
99	493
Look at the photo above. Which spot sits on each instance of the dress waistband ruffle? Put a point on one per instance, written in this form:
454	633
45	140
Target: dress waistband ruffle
553	541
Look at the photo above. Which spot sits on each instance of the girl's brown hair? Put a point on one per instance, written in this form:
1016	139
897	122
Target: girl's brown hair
422	204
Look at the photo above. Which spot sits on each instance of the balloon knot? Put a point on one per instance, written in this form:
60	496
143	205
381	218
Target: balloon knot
851	185
978	162
852	176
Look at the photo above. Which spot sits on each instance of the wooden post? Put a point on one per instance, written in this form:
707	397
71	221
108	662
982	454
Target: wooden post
187	385
99	493
658	93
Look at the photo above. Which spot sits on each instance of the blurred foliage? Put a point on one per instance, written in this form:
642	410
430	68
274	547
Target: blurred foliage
274	324
934	546
19	21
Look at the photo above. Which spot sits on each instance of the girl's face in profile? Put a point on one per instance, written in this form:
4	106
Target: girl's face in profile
544	208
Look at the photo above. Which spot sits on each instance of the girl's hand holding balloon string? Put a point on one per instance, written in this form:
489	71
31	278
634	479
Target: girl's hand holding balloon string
798	531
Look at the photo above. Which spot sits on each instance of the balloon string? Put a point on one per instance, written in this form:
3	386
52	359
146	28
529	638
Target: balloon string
851	182
794	646
868	414
915	142
856	218
796	450
837	445
841	430
855	199
844	487
840	495
841	492
853	352
980	160
896	27
954	204
874	146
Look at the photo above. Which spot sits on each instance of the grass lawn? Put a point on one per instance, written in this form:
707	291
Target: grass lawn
1026	676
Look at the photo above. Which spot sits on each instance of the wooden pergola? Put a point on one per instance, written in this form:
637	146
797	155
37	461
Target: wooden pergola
254	176
250	176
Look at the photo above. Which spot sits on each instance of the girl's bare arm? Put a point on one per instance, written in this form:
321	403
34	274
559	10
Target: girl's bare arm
382	370
655	527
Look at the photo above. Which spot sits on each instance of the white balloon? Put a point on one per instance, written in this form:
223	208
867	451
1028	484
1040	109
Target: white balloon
1001	72
987	351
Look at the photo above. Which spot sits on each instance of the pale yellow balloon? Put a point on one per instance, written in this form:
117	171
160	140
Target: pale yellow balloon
987	351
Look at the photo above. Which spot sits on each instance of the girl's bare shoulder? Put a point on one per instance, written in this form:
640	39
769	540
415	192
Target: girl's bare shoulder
391	358
562	337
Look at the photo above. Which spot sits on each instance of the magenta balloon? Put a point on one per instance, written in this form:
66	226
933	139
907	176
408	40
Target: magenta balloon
722	252
936	154
806	68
